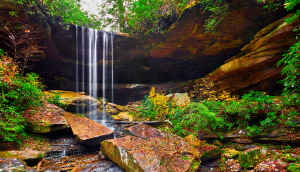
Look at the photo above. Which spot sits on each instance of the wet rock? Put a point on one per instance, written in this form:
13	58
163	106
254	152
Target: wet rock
229	153
12	164
31	157
294	167
45	119
73	101
86	131
152	154
251	157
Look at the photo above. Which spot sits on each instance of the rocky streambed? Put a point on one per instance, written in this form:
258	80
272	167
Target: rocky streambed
77	143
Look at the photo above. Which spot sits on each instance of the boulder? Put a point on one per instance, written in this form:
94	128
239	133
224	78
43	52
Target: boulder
86	131
45	119
31	157
75	102
12	164
152	154
251	157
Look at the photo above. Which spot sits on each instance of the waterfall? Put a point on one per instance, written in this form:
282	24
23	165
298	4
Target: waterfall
103	71
112	67
82	67
77	79
89	63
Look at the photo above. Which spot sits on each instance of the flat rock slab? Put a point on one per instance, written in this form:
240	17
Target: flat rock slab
45	119
86	131
153	154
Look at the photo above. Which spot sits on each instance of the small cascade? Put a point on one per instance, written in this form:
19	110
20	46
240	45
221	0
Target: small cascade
88	45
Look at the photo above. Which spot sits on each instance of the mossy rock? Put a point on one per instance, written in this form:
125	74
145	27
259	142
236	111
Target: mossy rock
294	167
230	153
251	157
209	152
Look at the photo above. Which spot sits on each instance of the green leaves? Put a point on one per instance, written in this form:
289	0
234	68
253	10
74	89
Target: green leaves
291	70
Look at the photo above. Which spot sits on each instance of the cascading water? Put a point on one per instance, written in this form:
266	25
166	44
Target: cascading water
88	58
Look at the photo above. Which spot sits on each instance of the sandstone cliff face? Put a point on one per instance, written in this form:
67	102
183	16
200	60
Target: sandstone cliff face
255	67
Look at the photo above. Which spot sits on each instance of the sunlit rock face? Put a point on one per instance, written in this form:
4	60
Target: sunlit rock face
255	67
184	52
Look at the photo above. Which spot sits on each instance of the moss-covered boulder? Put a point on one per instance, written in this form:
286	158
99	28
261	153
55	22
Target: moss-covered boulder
251	157
208	151
87	131
45	119
31	157
73	101
294	167
229	153
135	154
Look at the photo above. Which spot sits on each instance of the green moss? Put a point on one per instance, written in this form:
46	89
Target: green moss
249	159
294	167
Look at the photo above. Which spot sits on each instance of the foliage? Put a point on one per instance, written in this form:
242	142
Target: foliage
67	10
195	117
291	59
206	91
56	99
147	16
156	106
18	94
22	40
291	70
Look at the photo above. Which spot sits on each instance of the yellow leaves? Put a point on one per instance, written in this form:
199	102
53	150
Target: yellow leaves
160	103
8	69
206	90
